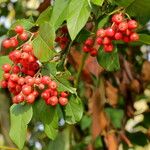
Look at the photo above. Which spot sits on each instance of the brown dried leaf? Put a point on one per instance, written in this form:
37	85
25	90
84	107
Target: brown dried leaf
146	71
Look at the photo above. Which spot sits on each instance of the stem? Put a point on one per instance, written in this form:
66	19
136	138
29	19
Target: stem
80	69
113	12
7	148
128	16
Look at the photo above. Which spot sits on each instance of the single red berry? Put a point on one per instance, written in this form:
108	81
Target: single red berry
14	77
6	44
53	101
35	93
89	42
106	40
30	98
86	48
132	24
41	86
109	32
15	55
118	36
127	32
35	66
24	56
64	94
6	67
27	48
6	76
123	26
37	80
11	84
45	80
126	39
30	72
14	100
45	95
14	42
19	29
101	33
3	84
18	88
134	37
53	85
94	52
26	89
108	48
23	36
117	18
63	101
20	98
31	59
99	41
16	69
30	81
21	81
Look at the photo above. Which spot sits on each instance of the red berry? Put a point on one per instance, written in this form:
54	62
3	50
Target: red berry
6	44
16	69
31	59
118	36
23	36
35	93
94	52
14	42
64	94
86	48
99	40
109	32
126	39
101	33
30	98
108	48
6	76
21	81
63	101
89	42
53	85
3	84
123	26
24	56
27	48
31	73
26	89
57	39
14	77
134	37
132	24
11	84
45	95
20	98
106	40
14	99
41	86
117	18
53	101
16	55
6	67
19	29
37	80
30	81
128	32
45	80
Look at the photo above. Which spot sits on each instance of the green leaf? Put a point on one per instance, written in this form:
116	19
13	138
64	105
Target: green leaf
78	15
110	61
49	117
73	110
103	22
26	23
116	116
144	38
44	16
85	122
62	78
137	8
98	2
20	116
83	35
3	60
44	43
59	13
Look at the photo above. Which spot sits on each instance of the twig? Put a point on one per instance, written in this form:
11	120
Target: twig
126	140
7	148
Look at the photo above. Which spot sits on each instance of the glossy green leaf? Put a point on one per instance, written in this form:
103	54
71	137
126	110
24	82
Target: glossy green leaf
144	38
109	61
3	60
44	16
73	110
59	12
78	15
20	116
115	116
103	22
98	2
43	44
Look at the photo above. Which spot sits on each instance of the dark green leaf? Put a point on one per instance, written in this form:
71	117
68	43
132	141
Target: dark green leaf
144	38
98	2
83	35
78	15
85	122
44	43
73	110
44	16
109	61
59	13
124	3
103	22
116	116
20	116
3	60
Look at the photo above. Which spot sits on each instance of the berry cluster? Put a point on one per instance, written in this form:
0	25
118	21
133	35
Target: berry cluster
62	39
88	47
121	29
23	79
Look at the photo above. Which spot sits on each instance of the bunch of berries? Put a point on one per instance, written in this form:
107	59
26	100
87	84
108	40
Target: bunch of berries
62	39
121	29
23	80
88	47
